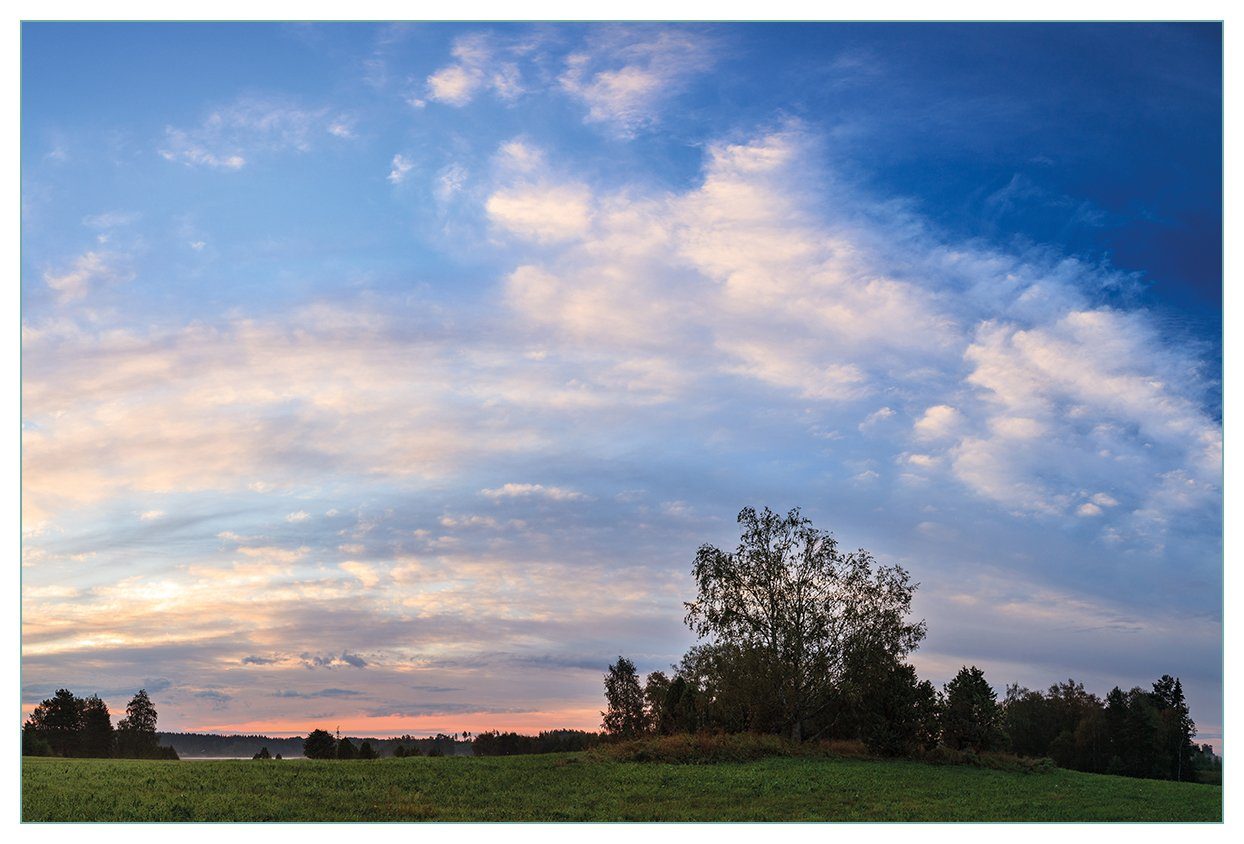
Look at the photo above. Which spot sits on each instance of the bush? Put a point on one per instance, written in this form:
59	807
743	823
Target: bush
704	748
942	755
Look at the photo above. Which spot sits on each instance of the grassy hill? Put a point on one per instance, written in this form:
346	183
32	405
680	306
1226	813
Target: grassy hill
582	787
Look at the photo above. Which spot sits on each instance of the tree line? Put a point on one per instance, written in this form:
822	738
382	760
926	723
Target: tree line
67	725
321	744
800	639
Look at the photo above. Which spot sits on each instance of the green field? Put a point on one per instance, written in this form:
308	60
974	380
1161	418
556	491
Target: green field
578	787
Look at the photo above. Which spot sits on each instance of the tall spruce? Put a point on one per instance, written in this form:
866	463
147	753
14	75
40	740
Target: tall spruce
624	716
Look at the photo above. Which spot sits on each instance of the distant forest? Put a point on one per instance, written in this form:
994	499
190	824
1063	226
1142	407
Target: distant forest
802	640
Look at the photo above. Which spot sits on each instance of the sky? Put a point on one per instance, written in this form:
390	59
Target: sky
388	376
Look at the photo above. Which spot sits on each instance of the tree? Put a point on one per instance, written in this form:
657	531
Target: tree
136	732
346	750
319	744
625	716
788	597
895	712
399	751
970	718
1177	728
262	754
98	739
58	722
366	751
1028	721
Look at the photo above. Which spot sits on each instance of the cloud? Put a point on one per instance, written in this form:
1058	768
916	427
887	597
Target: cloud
232	135
311	660
89	270
554	493
366	574
544	213
938	422
400	169
318	693
483	62
258	660
111	219
628	75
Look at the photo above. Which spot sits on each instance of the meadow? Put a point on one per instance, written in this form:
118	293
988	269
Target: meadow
589	787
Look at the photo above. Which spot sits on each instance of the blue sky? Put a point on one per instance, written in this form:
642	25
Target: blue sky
392	374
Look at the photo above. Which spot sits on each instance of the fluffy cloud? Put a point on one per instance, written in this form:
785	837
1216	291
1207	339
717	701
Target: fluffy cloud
480	63
626	76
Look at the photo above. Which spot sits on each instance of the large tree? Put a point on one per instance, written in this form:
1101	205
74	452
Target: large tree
971	718
789	597
58	721
1177	728
624	716
319	744
97	732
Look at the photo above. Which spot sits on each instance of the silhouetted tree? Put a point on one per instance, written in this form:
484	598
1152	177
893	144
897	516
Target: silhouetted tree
262	754
346	750
97	733
399	751
894	711
970	716
136	732
787	595
625	716
1177	728
32	743
366	751
58	722
319	744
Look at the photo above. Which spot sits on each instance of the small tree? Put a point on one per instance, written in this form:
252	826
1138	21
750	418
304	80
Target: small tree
366	751
625	716
970	719
262	754
319	744
345	749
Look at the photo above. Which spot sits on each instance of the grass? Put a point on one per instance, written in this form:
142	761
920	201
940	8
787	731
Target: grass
582	787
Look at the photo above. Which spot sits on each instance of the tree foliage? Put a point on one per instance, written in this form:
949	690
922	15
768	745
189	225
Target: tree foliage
795	608
971	719
624	716
319	744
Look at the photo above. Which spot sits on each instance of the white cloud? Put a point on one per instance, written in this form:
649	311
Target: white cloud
88	270
938	422
554	493
482	62
298	516
628	75
545	214
399	169
151	515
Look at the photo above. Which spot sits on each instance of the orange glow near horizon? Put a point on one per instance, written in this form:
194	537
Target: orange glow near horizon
396	725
